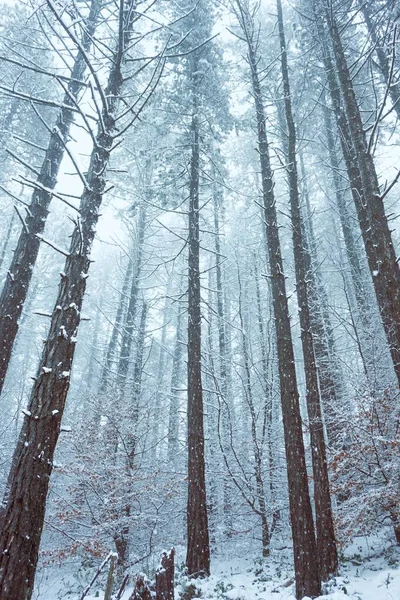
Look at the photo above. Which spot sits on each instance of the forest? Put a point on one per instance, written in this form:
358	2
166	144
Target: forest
199	299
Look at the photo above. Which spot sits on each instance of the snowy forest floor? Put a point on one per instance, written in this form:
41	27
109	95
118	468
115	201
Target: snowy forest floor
369	570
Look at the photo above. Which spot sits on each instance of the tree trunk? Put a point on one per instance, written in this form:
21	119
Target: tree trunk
20	272
321	327
326	542
224	364
121	538
7	239
198	549
165	577
257	447
129	324
377	238
267	410
173	416
33	458
141	591
116	331
304	546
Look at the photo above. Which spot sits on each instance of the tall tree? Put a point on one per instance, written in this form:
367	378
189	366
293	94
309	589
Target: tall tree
326	542
33	458
200	84
304	545
19	276
198	549
381	255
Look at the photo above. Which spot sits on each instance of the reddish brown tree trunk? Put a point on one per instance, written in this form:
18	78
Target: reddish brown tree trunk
304	546
19	275
33	458
326	542
198	549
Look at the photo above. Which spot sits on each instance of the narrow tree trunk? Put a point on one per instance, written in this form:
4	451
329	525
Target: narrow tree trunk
20	272
129	324
267	410
362	289
321	327
222	345
33	459
121	537
257	448
134	404
116	331
7	239
198	549
326	542
161	395
173	416
304	546
211	417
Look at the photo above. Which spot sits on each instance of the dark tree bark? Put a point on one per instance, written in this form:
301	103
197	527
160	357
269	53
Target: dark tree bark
305	553
326	541
20	272
165	577
161	395
33	458
361	285
349	239
198	548
375	231
142	590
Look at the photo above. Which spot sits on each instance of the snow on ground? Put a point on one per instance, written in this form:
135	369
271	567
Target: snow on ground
370	570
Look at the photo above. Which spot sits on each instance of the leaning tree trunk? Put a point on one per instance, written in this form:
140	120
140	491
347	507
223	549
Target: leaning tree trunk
363	291
33	458
20	272
304	546
326	541
375	230
198	548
